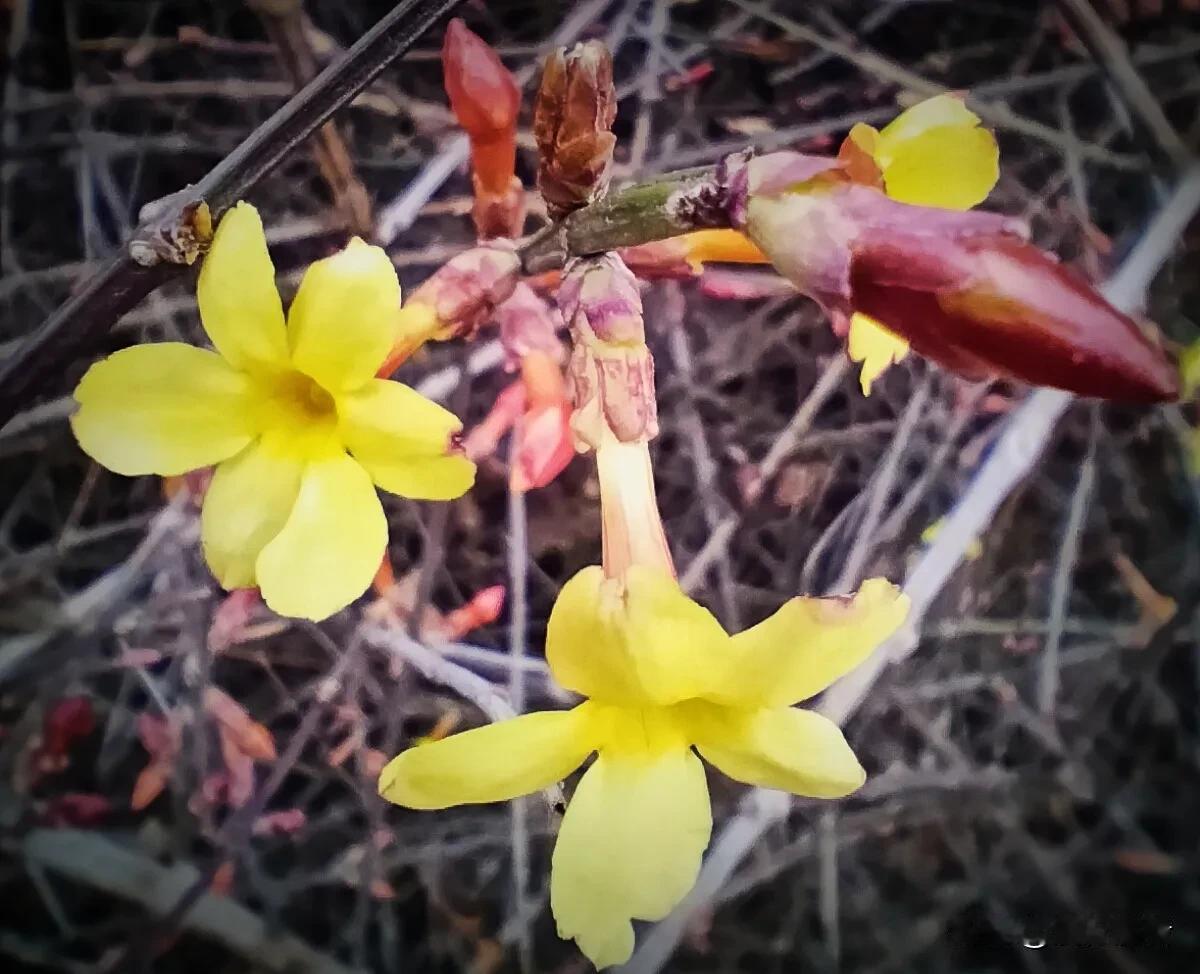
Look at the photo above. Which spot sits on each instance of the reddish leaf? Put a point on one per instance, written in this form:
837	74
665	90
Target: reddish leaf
238	785
283	822
1148	862
76	810
159	736
232	617
482	610
249	736
67	720
222	881
149	785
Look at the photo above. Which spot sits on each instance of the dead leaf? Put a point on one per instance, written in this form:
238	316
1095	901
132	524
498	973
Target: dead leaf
1147	862
748	125
252	738
238	783
1156	609
373	762
149	785
381	889
232	618
286	821
222	881
76	810
138	659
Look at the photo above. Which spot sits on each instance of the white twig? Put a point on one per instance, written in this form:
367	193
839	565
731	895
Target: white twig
437	669
518	563
1064	571
402	212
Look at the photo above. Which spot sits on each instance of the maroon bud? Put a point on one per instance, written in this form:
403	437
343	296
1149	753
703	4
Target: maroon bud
965	289
1010	310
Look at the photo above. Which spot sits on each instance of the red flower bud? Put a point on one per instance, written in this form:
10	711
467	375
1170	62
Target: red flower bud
486	100
544	444
965	289
483	94
1000	306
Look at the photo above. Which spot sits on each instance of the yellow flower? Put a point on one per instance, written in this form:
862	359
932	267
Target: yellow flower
934	154
661	677
291	412
1189	370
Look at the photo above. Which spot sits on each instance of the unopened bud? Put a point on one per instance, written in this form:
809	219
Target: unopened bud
486	101
482	91
544	443
611	369
527	324
465	291
573	116
964	288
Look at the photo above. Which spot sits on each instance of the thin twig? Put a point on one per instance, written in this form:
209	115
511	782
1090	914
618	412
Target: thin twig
1111	54
518	619
1064	571
718	541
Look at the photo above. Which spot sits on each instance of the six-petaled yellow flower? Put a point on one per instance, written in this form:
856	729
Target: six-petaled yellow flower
662	678
291	412
934	154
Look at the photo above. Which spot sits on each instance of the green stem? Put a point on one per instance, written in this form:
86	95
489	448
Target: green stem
637	215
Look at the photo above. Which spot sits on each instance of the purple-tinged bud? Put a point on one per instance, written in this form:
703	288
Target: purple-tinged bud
611	369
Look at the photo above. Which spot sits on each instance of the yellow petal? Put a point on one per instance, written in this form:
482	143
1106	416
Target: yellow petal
629	848
678	648
585	652
245	506
330	546
239	304
784	748
166	408
866	137
1189	370
345	316
403	440
492	763
936	154
875	347
808	644
642	642
940	111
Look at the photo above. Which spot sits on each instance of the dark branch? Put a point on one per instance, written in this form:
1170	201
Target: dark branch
77	326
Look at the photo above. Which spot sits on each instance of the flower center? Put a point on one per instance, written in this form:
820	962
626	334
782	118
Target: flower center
301	415
303	399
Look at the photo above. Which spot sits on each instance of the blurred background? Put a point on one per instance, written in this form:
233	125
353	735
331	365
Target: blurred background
187	783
